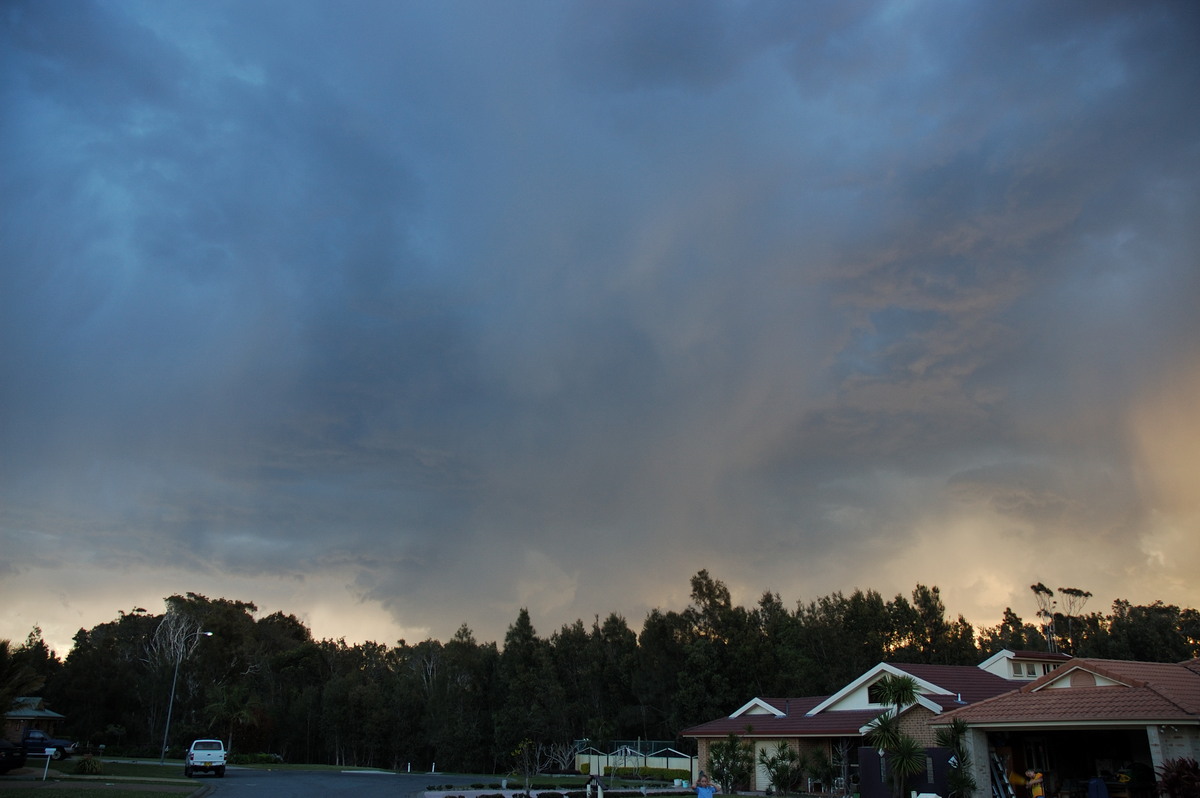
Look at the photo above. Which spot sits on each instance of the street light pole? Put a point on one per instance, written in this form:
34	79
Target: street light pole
171	704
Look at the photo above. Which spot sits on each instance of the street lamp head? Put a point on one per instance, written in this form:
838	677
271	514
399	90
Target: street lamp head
207	634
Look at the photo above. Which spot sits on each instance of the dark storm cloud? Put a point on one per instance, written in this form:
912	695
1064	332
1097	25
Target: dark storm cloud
390	292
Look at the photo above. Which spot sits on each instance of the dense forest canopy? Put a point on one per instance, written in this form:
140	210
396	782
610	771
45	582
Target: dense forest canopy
265	685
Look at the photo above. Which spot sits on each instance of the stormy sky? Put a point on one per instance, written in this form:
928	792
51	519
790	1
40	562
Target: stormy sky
404	315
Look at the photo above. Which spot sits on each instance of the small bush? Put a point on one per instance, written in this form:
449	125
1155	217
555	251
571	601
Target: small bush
648	774
89	766
1180	778
255	759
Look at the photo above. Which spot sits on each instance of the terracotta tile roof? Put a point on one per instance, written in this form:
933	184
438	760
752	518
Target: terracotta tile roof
795	724
1149	692
973	684
958	684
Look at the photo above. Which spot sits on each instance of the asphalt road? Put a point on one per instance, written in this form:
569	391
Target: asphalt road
250	783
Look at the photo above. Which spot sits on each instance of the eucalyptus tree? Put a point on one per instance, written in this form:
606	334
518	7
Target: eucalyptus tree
1155	632
461	704
842	636
578	674
531	697
614	648
1046	603
784	661
662	655
17	678
1073	600
1011	633
935	639
727	655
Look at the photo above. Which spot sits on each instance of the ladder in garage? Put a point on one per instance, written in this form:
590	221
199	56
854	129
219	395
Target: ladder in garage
1001	786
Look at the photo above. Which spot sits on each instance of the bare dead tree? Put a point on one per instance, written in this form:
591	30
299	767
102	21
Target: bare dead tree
175	638
562	755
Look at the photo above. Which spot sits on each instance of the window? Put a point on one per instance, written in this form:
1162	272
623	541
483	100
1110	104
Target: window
873	694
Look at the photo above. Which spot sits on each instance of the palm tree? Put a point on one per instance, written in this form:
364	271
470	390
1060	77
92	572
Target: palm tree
731	762
783	767
961	779
904	756
233	707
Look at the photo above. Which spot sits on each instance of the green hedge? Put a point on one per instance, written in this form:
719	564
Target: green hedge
255	759
651	774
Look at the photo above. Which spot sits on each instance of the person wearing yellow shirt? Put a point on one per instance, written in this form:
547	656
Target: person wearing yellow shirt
1034	781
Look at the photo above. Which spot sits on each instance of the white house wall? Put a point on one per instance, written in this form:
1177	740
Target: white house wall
1173	742
976	745
856	699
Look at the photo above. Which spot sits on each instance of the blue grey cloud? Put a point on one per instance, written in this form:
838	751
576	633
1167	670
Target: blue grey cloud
463	308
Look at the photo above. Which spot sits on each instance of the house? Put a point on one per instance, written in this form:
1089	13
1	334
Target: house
1023	665
29	713
836	724
1113	720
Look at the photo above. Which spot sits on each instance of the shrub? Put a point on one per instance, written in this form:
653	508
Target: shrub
89	766
255	759
1180	778
650	774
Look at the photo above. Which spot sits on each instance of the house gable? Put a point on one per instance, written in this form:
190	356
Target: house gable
1022	665
856	695
1081	676
757	706
939	687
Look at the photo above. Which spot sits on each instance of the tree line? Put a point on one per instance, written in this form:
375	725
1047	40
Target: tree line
265	685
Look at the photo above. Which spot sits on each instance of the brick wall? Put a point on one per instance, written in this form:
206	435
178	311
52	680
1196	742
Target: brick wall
915	723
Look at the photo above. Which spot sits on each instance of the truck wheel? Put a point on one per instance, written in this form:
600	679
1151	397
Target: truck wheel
220	773
187	773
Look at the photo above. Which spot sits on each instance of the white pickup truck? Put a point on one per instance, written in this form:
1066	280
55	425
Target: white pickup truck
205	756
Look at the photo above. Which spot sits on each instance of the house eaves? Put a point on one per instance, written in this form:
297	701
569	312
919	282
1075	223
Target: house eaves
757	704
1093	693
868	678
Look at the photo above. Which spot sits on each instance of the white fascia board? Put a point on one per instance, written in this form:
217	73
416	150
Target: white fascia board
1061	678
1080	725
865	679
1002	654
756	703
871	676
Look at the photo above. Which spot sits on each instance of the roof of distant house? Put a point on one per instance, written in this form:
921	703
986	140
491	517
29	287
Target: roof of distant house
1095	691
941	687
31	708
